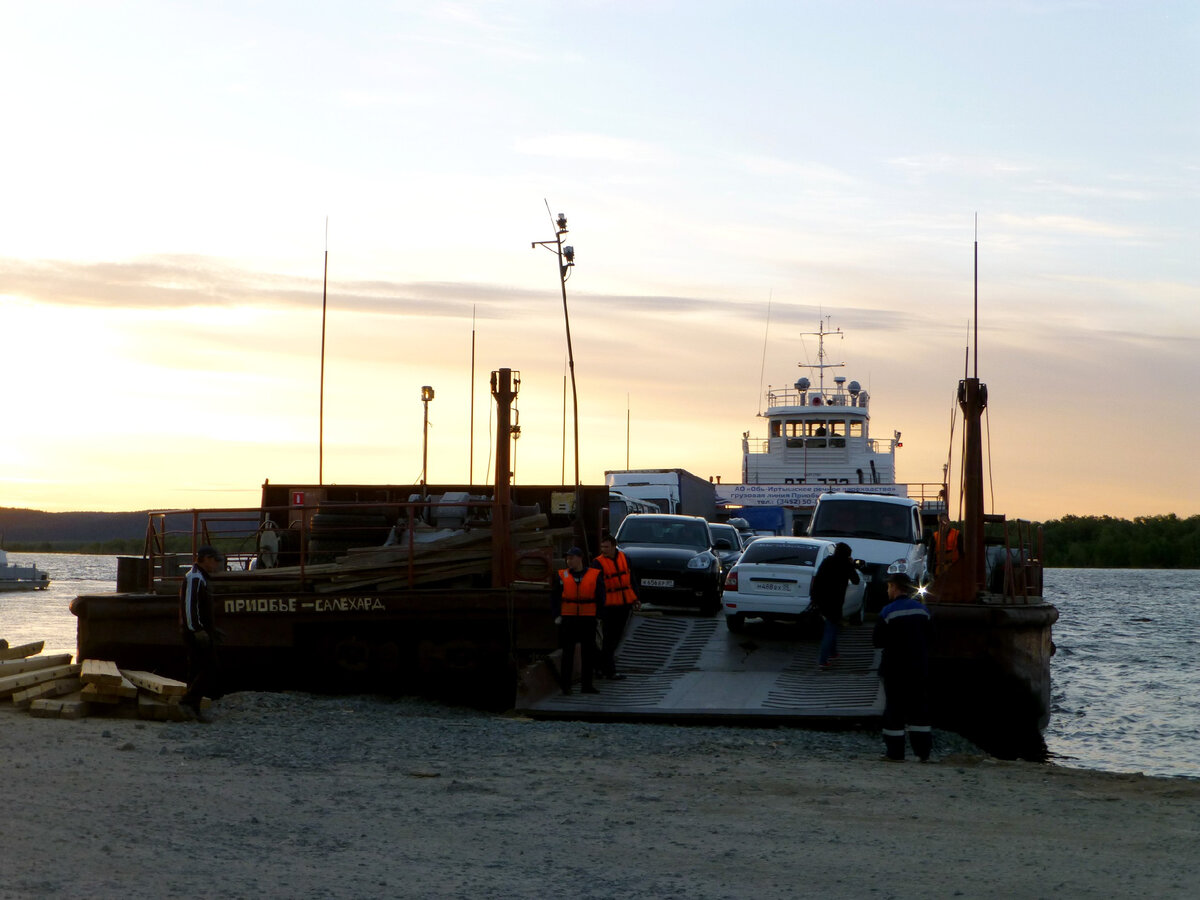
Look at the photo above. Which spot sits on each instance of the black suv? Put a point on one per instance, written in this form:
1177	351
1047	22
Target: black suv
672	560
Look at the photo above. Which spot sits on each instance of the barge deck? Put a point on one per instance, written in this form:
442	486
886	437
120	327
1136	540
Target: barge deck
682	668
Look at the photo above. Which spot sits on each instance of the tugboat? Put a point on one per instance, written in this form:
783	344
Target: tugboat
21	578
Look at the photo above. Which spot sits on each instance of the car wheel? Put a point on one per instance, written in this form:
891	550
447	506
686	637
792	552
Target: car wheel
735	622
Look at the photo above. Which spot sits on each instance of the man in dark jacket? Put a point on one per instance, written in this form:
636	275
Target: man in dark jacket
828	593
902	631
576	598
199	632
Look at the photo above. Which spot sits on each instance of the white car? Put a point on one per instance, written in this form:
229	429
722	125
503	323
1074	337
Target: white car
772	578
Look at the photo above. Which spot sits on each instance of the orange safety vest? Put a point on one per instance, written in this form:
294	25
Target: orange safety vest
948	553
579	597
618	590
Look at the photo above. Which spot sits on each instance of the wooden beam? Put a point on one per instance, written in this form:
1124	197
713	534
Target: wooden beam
17	666
21	651
155	684
27	679
110	693
21	699
100	671
72	706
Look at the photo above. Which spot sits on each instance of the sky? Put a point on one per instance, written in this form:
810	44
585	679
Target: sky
179	178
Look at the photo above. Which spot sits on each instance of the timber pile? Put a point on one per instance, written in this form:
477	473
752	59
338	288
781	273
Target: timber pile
53	687
437	559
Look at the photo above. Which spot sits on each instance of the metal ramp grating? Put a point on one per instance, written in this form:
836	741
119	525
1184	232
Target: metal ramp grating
680	667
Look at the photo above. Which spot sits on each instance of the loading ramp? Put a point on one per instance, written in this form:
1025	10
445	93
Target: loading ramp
684	668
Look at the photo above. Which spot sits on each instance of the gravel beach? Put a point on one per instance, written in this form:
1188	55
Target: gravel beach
294	795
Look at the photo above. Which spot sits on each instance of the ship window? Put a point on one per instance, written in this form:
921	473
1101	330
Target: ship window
856	429
776	428
794	428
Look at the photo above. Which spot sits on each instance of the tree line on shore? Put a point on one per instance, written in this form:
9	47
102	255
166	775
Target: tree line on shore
1103	542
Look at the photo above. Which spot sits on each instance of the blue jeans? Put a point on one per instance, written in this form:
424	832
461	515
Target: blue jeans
828	642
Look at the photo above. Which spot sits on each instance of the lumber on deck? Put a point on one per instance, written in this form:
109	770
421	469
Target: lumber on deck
21	651
27	679
156	684
100	671
72	706
21	699
17	666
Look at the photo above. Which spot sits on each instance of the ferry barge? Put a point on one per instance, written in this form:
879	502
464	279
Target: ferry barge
434	589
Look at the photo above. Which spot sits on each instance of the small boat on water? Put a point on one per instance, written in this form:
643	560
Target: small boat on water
21	578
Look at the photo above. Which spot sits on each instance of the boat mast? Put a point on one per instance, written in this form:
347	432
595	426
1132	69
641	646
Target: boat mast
972	399
821	365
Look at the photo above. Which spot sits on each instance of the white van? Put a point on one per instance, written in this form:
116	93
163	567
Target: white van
882	530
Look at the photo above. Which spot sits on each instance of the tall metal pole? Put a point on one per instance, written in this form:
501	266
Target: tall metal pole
321	412
562	278
471	430
426	396
504	390
566	260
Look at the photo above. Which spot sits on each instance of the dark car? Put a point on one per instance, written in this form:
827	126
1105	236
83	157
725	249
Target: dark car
673	560
727	542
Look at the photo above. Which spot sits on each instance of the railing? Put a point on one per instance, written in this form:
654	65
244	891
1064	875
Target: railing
300	537
762	446
814	398
1023	550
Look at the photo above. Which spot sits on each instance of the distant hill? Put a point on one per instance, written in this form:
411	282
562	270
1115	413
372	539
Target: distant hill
34	530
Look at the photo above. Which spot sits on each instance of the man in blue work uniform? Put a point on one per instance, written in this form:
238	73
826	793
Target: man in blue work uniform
902	631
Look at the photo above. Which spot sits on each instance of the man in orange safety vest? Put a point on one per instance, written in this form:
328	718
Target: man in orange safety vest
578	594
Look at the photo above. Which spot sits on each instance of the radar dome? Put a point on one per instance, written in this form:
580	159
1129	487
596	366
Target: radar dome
802	384
855	387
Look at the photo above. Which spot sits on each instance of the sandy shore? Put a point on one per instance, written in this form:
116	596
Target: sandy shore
289	795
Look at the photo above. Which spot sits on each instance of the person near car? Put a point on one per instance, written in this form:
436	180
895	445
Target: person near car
619	603
198	630
576	598
902	632
828	593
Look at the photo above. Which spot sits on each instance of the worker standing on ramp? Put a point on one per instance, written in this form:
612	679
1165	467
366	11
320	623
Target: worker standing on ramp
902	631
578	593
619	603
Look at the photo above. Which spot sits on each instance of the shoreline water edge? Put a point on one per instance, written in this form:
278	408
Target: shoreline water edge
1117	706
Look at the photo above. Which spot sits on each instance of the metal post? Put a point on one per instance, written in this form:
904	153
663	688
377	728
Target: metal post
426	396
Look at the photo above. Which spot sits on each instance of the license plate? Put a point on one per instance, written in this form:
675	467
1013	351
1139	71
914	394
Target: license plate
658	582
778	587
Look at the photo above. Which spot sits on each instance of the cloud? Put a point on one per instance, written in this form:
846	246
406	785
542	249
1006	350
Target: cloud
593	147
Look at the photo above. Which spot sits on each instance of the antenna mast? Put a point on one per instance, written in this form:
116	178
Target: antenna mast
976	322
821	365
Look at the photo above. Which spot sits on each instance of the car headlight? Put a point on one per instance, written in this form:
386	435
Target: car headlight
703	560
899	567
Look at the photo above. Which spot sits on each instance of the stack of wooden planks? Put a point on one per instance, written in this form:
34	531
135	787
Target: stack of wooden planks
54	687
435	559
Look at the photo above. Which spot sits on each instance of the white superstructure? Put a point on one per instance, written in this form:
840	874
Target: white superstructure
817	435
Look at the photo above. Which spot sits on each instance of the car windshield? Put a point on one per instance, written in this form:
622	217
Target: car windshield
651	530
725	531
781	554
862	518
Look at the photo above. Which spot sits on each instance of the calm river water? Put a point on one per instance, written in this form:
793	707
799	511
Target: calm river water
1125	697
